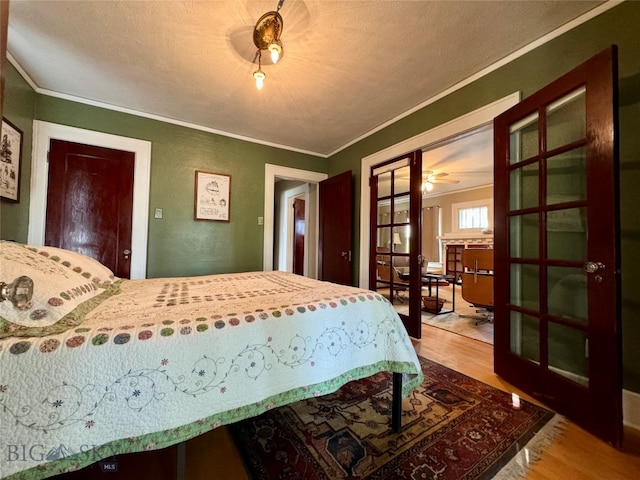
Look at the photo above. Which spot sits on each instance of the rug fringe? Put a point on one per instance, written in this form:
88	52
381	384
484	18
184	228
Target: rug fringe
519	465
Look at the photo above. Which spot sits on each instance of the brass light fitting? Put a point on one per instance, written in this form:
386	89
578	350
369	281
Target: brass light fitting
266	36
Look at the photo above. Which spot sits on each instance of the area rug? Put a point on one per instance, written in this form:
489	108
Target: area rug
462	321
462	324
454	428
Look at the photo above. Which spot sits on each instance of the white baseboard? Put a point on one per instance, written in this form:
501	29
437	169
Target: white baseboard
631	409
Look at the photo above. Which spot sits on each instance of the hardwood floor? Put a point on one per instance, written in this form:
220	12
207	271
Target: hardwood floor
575	454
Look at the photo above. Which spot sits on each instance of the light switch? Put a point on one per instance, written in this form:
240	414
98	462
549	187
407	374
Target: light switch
158	213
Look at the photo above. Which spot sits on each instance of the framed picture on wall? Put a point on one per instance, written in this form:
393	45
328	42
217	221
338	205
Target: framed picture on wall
10	161
212	196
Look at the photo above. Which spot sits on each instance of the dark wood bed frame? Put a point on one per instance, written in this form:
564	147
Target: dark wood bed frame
396	403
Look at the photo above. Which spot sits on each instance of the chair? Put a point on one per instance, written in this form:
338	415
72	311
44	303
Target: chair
387	273
477	280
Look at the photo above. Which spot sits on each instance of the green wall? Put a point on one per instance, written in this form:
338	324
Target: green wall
527	74
178	245
19	103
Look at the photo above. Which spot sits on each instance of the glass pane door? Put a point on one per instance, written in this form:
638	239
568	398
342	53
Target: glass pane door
548	239
557	320
396	236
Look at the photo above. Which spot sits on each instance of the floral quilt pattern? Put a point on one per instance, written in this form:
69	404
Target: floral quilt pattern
168	359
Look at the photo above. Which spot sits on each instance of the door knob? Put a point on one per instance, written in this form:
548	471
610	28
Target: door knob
126	253
592	267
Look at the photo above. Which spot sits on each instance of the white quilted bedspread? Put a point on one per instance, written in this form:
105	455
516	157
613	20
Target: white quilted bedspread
168	359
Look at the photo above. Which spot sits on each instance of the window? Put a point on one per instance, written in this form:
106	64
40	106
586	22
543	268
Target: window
473	216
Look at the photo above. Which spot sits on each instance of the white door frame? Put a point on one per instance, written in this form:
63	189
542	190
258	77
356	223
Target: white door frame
43	133
287	173
470	121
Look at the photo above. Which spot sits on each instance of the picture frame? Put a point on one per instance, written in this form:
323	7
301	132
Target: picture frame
212	196
10	161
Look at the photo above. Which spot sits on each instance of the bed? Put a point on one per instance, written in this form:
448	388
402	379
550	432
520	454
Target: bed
96	366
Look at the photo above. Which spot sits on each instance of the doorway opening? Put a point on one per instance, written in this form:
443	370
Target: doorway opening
295	232
429	142
281	185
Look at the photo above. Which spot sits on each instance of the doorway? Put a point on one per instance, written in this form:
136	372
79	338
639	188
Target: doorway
288	193
43	132
456	127
274	231
430	140
299	235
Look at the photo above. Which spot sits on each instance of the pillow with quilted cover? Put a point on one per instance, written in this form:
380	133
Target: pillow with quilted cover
67	285
86	266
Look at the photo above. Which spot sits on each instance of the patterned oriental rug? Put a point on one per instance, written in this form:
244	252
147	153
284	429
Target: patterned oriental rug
454	428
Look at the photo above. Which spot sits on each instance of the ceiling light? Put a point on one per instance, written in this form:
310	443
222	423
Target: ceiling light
266	36
259	74
276	50
427	183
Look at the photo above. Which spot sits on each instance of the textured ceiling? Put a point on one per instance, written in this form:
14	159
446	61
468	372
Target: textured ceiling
348	66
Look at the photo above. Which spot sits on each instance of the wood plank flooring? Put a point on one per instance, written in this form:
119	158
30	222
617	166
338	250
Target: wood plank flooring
574	455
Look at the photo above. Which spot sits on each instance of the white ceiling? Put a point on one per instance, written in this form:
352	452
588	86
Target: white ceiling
349	67
467	158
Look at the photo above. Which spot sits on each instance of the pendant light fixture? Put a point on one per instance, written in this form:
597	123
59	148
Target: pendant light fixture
259	74
266	36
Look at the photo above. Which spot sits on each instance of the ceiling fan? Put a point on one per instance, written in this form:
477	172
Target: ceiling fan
429	178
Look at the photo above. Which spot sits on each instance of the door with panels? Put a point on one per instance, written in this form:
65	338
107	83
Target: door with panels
396	229
557	307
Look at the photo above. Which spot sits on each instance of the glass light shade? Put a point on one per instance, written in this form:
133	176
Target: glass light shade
427	186
275	50
259	76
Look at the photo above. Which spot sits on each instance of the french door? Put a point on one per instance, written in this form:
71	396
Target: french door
557	280
395	261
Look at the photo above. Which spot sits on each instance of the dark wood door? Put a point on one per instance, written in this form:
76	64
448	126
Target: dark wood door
90	201
557	269
396	234
299	227
335	217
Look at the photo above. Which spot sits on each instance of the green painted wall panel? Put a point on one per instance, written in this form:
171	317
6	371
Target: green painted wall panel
18	108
